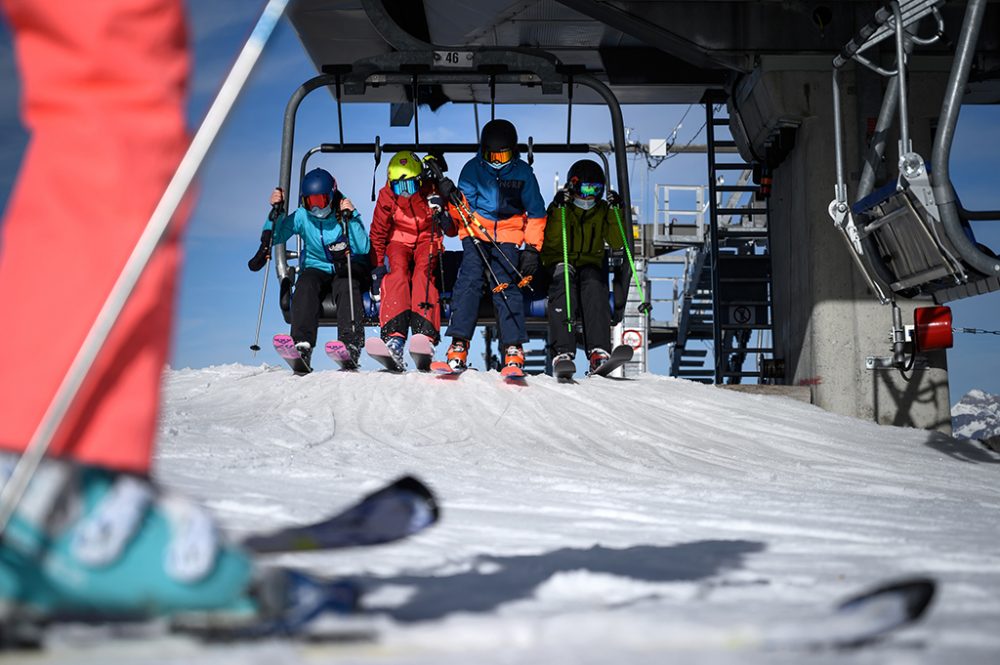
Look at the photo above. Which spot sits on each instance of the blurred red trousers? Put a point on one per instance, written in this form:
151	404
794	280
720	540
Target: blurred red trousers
103	93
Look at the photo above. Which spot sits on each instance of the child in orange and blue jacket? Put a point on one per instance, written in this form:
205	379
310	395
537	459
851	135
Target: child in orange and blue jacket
502	194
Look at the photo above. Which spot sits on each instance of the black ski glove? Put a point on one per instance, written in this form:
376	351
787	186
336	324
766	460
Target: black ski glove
377	276
446	188
562	198
614	199
260	258
529	261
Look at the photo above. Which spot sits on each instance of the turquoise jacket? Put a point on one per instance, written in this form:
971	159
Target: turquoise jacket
318	233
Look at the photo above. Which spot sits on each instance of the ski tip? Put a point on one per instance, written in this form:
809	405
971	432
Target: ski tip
415	486
916	594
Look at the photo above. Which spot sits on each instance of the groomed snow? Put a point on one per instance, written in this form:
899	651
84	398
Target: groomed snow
644	521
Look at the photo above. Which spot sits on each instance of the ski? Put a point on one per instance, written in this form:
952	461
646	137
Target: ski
392	513
513	375
422	352
859	620
563	370
376	348
288	600
285	346
620	355
445	371
339	354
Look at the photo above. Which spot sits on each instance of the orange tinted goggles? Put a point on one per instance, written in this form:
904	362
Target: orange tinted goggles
498	156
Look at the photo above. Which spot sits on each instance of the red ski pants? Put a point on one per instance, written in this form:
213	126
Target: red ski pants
409	293
103	92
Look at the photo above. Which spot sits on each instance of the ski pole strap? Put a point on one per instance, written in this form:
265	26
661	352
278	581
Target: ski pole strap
628	253
569	315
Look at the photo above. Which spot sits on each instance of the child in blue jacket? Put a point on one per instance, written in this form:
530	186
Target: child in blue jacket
324	269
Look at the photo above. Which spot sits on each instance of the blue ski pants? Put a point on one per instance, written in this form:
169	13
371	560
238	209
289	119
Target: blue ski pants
468	289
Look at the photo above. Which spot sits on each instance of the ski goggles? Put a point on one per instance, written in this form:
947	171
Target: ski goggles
588	190
317	201
498	157
405	186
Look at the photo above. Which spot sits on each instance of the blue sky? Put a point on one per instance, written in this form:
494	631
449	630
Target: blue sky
217	310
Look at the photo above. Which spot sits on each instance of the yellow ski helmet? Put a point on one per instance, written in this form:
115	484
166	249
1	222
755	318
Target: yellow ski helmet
404	173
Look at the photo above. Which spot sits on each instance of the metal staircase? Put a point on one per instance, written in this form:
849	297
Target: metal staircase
740	261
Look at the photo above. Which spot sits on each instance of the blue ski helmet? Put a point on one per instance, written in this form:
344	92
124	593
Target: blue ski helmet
317	192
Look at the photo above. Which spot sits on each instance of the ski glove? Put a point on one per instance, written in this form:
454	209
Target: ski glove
377	276
529	261
446	188
617	258
614	199
260	258
562	198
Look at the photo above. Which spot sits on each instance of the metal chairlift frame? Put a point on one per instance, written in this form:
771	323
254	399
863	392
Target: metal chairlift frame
939	258
480	66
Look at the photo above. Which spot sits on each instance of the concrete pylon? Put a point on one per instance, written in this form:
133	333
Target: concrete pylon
827	323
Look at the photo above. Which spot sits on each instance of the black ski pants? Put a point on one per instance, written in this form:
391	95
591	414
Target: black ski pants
311	287
589	300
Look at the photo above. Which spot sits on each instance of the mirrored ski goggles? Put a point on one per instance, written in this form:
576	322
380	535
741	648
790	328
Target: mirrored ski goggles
588	190
405	186
317	201
498	157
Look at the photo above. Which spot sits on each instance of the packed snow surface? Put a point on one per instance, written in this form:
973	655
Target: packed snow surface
611	521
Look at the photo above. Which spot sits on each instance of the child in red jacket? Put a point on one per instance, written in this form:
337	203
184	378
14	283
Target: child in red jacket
407	229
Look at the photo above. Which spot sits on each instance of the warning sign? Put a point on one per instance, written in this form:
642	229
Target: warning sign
632	337
741	315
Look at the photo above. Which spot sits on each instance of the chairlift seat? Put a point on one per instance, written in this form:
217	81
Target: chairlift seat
911	241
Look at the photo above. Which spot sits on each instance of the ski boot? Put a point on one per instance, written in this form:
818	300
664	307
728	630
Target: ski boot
562	358
305	351
458	354
598	357
395	343
514	357
95	543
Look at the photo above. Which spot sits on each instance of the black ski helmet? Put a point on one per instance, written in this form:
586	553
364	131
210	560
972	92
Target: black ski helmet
498	135
585	170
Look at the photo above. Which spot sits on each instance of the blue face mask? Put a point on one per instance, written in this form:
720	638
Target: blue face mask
584	204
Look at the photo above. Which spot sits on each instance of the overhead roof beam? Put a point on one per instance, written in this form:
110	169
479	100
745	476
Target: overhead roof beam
649	34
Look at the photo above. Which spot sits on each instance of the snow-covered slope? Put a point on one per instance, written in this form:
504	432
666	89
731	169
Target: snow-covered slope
977	416
608	521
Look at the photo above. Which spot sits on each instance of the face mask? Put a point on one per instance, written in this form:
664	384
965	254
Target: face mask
584	204
322	213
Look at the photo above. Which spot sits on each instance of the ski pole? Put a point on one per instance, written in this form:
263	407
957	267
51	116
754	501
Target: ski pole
276	211
644	307
500	286
350	282
463	210
156	229
569	315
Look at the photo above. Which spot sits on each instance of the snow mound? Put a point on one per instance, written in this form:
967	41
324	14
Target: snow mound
606	521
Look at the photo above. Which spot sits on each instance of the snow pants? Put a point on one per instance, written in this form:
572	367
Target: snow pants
589	301
311	287
103	94
410	298
468	292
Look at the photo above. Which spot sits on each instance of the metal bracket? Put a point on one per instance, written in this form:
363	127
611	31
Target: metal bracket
876	363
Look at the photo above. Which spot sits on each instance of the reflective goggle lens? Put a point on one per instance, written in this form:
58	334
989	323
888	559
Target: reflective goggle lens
405	186
317	201
498	156
588	189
